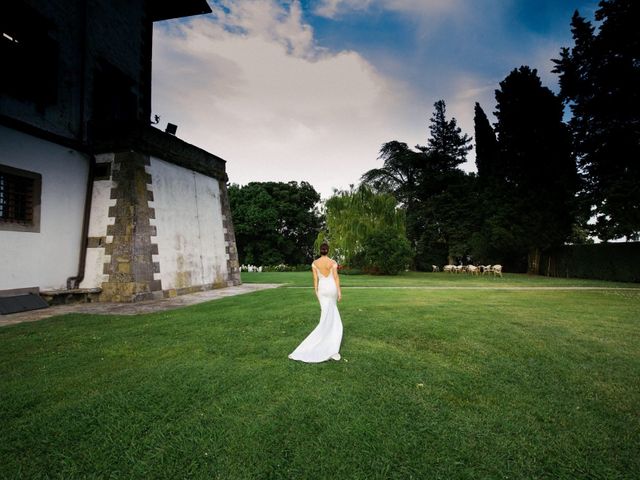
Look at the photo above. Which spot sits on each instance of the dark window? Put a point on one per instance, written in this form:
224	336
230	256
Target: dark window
19	199
102	171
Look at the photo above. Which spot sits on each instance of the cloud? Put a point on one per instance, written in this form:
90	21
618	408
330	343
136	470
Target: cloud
249	84
334	8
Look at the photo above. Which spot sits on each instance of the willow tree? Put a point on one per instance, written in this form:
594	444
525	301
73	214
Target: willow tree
356	215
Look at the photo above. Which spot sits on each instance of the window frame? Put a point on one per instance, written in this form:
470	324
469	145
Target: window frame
33	226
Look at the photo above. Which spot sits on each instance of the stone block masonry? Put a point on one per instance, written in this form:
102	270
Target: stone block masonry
233	264
130	268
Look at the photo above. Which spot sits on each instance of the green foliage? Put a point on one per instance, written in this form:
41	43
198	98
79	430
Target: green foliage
486	146
438	198
400	174
618	262
366	231
445	195
599	78
528	184
351	271
303	267
386	252
352	216
447	145
275	222
452	216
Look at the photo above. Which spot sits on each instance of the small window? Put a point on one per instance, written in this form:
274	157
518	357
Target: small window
19	199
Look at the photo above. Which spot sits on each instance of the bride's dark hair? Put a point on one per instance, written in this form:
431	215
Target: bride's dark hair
324	249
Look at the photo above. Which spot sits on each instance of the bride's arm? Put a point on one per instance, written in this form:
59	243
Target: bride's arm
337	279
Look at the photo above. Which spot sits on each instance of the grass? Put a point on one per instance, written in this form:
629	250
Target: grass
450	384
439	279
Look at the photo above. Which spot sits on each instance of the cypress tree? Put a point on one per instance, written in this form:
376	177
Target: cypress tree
599	79
539	169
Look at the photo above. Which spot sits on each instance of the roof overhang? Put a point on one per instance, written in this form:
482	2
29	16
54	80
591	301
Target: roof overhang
168	9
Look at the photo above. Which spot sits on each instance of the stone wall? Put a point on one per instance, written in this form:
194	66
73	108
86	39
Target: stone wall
231	250
160	229
130	264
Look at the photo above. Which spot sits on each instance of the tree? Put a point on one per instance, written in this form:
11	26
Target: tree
400	175
275	222
400	172
486	145
447	145
599	78
446	193
422	182
386	252
353	217
535	164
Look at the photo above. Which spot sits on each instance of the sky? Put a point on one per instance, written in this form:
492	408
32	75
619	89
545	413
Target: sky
303	90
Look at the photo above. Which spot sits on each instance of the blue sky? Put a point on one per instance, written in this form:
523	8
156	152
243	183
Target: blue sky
309	90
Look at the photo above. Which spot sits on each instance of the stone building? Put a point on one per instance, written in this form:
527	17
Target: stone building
93	199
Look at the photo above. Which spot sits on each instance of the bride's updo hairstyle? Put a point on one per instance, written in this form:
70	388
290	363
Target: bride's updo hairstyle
324	249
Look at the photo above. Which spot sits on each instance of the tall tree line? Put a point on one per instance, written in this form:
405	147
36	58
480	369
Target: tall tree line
600	81
526	171
425	180
540	182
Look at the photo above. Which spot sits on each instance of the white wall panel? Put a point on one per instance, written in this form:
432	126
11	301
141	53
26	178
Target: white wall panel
190	237
47	258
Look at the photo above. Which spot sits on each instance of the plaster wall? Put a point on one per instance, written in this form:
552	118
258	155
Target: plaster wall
46	258
188	220
101	201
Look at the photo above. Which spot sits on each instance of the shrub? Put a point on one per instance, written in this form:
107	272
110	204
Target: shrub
287	268
386	252
349	271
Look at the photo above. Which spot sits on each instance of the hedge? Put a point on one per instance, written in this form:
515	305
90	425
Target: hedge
619	262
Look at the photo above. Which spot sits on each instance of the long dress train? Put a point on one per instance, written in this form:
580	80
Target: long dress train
323	343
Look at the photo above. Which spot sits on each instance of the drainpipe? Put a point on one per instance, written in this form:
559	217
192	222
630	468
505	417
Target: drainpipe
74	282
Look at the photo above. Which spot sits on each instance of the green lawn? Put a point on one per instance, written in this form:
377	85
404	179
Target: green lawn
439	279
434	384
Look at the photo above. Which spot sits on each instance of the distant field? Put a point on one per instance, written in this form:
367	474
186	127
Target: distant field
428	279
434	384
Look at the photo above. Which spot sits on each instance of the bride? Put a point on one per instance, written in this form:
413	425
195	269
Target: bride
323	343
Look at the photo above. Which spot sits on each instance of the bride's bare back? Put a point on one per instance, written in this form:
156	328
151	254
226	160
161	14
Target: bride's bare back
324	264
326	267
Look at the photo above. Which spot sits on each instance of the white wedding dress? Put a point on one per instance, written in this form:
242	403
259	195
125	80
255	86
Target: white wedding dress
323	343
